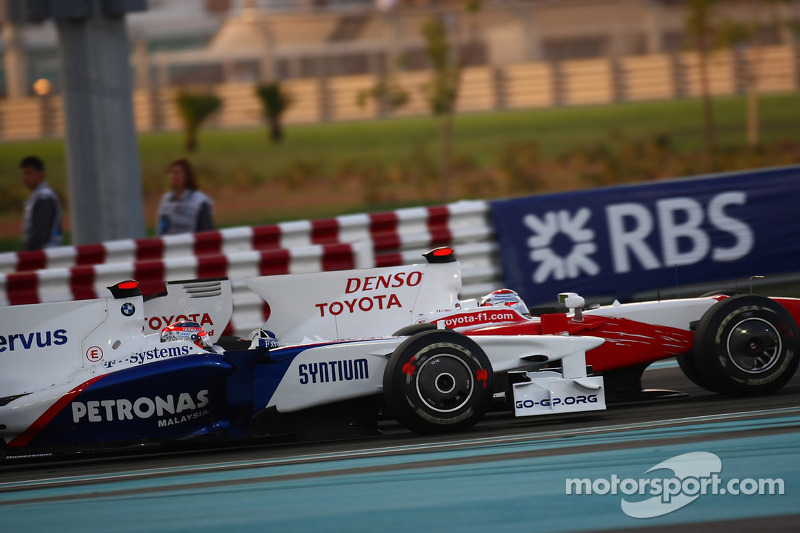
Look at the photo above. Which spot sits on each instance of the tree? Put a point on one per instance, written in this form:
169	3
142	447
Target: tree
387	93
274	102
194	108
734	34
442	92
707	34
699	28
447	64
746	35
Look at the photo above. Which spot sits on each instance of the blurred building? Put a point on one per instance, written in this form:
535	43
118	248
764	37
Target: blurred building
518	54
286	39
167	25
218	41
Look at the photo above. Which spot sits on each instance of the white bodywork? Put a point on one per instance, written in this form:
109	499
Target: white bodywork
332	306
373	302
303	386
670	313
549	393
42	345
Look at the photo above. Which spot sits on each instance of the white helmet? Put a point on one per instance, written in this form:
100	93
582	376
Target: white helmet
505	298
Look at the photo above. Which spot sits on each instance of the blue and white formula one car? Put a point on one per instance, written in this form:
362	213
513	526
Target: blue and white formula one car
87	374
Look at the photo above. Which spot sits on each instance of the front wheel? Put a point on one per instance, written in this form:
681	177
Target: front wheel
438	381
746	345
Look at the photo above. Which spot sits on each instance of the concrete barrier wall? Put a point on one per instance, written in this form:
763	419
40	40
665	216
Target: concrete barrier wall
390	233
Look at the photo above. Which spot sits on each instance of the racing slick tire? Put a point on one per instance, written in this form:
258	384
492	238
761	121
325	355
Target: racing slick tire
688	366
746	345
413	329
438	381
687	363
724	292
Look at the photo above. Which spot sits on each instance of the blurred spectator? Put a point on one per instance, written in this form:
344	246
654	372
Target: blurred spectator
184	208
41	225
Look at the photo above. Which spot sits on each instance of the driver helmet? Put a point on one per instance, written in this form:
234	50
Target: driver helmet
262	338
505	298
187	331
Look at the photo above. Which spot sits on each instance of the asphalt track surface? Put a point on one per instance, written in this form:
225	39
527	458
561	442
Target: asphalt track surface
505	474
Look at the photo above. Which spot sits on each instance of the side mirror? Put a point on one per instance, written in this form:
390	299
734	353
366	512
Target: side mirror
574	303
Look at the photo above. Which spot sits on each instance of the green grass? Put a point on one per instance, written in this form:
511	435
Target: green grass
479	135
10	243
242	159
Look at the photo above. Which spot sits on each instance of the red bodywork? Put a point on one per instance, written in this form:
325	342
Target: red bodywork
628	342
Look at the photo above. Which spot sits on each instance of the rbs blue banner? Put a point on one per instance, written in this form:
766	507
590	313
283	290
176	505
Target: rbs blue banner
618	241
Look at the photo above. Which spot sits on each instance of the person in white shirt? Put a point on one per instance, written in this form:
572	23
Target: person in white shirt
184	209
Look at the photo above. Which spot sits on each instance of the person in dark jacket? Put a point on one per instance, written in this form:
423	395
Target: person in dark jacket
184	209
41	224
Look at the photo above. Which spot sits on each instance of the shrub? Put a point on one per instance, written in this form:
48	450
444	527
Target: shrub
194	108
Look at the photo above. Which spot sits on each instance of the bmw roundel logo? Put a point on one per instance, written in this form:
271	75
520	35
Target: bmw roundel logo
127	309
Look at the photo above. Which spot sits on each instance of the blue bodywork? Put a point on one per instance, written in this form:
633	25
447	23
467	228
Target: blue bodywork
207	396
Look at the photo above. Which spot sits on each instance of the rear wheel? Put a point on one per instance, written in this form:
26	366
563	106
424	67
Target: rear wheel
723	292
746	345
438	382
687	365
687	362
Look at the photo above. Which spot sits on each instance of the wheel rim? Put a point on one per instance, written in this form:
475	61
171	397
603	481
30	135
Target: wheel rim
444	383
754	345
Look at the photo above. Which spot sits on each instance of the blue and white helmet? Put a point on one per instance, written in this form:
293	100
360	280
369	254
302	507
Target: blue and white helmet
262	338
505	298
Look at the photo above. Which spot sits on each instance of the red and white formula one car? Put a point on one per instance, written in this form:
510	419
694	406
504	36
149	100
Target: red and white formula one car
737	345
731	344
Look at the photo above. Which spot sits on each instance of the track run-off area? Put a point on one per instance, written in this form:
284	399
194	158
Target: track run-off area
706	463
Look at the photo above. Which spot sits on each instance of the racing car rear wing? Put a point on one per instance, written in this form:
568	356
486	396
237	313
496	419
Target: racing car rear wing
373	302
